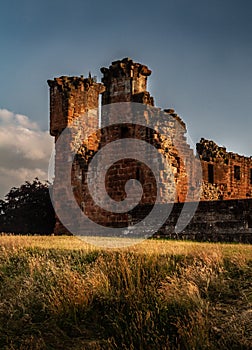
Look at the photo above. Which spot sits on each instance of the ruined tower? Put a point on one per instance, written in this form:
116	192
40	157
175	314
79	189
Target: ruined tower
126	81
71	98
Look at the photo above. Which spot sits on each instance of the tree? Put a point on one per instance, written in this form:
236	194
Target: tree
27	209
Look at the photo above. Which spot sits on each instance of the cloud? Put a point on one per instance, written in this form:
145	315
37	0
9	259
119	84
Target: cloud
25	150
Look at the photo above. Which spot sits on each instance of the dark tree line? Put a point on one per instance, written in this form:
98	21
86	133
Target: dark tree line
27	209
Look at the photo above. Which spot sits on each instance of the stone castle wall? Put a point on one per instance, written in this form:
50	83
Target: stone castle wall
225	175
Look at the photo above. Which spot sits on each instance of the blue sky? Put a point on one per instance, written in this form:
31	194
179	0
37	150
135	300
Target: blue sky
200	53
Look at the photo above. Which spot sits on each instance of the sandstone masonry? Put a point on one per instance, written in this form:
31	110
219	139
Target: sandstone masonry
226	176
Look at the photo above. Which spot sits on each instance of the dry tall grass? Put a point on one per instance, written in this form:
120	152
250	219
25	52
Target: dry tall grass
58	293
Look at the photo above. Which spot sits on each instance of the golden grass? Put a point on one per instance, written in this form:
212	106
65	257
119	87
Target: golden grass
147	246
62	293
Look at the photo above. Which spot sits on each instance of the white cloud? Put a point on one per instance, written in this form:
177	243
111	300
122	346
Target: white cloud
24	150
25	122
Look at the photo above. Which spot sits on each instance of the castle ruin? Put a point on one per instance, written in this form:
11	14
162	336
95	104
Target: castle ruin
226	176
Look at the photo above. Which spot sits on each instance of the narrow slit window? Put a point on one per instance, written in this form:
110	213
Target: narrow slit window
237	172
210	173
138	174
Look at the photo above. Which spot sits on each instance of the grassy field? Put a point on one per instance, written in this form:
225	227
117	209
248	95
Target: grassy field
60	293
